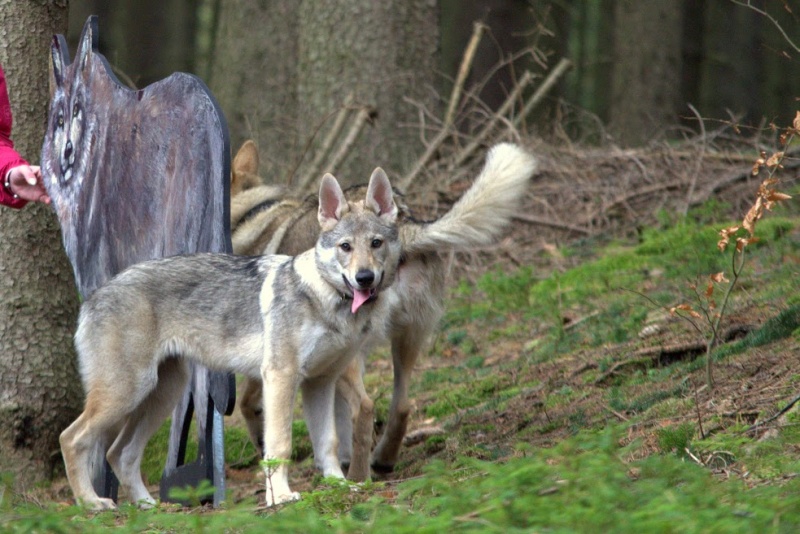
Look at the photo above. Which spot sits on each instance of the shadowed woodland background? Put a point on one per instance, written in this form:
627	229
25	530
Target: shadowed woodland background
344	85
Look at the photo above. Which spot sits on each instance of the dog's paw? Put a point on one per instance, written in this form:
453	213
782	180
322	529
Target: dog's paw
382	468
146	503
99	504
274	500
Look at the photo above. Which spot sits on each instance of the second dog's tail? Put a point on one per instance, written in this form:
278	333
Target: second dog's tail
483	211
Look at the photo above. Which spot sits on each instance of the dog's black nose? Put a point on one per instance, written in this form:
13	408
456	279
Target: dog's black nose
365	277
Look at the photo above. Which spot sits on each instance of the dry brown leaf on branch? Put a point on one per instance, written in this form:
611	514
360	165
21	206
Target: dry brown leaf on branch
709	290
719	277
757	165
753	215
775	196
684	308
725	236
775	160
743	242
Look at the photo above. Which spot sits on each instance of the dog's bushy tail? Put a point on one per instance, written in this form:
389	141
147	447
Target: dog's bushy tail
479	216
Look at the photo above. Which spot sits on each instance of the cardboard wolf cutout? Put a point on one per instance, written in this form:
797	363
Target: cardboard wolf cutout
136	175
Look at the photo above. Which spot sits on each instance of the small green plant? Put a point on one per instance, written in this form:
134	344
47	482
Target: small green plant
193	495
706	315
675	439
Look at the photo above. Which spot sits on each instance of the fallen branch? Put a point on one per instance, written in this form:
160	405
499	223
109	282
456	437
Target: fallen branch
543	89
362	116
463	70
785	409
314	169
455	96
504	109
421	434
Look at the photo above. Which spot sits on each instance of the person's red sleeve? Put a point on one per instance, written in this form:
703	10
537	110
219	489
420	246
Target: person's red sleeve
9	157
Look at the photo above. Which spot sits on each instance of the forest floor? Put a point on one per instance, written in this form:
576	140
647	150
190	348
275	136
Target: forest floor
564	328
511	367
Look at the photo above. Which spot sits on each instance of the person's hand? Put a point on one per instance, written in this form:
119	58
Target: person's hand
25	181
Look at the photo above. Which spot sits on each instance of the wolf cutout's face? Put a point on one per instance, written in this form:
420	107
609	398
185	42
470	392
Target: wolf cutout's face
70	125
132	174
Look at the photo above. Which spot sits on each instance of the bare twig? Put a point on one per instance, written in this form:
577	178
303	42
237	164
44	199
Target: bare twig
548	83
463	70
693	457
699	417
455	97
314	169
306	148
362	116
770	18
406	180
698	163
620	416
777	415
478	139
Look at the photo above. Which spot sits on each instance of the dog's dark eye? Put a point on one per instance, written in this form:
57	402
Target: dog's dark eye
376	243
345	247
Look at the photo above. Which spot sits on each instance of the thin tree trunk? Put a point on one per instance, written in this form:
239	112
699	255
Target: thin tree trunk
254	77
40	391
647	67
384	54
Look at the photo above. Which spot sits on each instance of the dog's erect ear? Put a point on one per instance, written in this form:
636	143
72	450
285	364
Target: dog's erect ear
332	204
244	170
246	160
379	196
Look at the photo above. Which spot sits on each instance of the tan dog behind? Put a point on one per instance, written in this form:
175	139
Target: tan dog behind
262	221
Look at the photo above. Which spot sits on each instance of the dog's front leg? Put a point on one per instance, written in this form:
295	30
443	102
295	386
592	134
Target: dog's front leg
280	390
318	395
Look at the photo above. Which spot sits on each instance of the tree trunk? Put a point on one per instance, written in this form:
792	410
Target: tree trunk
384	54
40	391
647	68
254	77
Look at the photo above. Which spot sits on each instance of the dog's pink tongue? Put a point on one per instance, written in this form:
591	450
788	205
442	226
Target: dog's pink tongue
360	296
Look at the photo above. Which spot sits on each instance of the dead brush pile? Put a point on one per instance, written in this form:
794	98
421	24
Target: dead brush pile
585	193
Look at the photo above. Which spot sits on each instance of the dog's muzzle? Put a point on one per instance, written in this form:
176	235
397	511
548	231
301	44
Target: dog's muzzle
362	295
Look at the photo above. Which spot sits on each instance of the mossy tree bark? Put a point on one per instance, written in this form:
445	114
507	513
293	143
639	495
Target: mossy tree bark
40	391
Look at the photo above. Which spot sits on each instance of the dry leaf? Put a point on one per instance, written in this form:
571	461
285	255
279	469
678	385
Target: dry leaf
680	307
757	166
709	290
718	277
743	242
775	160
753	215
775	196
725	235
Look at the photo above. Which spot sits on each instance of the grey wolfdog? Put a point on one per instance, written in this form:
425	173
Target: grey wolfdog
292	322
264	219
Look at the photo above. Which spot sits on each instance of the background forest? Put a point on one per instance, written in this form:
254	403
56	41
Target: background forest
560	392
639	70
